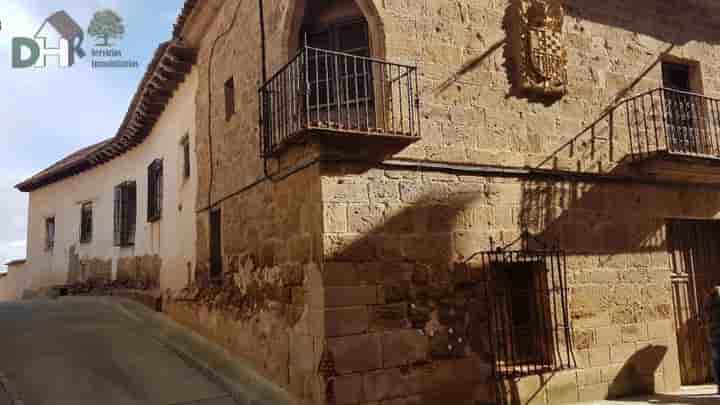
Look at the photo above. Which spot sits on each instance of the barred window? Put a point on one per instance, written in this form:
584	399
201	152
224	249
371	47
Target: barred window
529	325
155	190
49	233
186	156
86	223
125	213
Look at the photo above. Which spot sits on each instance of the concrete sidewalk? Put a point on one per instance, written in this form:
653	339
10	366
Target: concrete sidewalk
699	395
89	351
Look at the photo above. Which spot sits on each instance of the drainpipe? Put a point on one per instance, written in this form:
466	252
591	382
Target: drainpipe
263	49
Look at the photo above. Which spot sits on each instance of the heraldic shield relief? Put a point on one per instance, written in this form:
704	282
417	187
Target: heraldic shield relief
541	56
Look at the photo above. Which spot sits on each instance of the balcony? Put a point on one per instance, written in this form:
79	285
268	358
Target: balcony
340	98
674	135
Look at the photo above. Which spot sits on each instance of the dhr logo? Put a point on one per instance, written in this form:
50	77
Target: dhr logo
59	37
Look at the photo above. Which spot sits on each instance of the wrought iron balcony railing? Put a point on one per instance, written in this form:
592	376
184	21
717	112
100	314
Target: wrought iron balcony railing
334	92
672	121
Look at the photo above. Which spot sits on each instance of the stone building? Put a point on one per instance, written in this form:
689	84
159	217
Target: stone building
455	202
123	209
415	202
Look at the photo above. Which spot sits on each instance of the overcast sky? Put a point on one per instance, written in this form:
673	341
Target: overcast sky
49	113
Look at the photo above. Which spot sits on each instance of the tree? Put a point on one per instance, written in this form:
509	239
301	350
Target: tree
106	24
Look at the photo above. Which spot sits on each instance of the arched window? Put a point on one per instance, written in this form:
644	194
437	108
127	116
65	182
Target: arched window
336	26
337	80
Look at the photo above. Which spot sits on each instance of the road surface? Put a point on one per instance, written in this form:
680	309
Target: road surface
78	351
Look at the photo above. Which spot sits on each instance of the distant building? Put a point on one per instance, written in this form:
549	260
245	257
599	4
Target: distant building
13	282
123	209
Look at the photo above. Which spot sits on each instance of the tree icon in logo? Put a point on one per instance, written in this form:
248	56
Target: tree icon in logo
106	24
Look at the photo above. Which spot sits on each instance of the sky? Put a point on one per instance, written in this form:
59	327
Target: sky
49	113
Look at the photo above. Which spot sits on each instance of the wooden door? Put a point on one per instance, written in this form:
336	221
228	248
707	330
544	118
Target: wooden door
693	247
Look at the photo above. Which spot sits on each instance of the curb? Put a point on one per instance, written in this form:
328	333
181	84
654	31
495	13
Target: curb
238	378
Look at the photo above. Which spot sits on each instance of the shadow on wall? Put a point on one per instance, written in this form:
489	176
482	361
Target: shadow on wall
416	253
637	376
672	22
410	254
609	218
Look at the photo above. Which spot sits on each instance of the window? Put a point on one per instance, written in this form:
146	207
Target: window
676	76
86	223
683	110
49	233
185	145
329	71
216	262
229	98
125	214
529	327
155	190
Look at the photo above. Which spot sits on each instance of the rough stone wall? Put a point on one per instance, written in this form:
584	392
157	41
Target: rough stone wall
142	272
267	308
400	301
391	288
472	111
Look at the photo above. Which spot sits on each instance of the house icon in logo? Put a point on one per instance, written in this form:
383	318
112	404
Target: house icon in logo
59	38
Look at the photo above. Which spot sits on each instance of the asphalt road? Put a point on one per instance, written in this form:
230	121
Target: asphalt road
77	351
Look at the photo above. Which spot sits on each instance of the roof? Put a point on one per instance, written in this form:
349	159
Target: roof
169	67
182	18
64	25
16	262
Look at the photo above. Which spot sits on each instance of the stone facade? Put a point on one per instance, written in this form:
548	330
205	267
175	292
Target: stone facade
346	275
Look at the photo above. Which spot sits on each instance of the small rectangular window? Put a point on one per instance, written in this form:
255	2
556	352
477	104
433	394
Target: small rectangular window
216	262
49	233
86	223
155	190
186	156
229	98
125	213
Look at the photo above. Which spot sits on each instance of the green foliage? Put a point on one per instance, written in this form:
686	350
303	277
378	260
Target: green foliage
106	24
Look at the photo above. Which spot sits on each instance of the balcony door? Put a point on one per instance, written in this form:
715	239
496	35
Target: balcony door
683	110
340	83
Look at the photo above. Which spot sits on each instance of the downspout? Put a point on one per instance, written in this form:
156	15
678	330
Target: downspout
263	101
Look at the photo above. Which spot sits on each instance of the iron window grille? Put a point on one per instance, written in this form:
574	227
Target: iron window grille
125	214
86	223
155	190
216	262
49	233
529	329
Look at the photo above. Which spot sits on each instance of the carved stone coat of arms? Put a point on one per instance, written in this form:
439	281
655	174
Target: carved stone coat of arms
539	49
